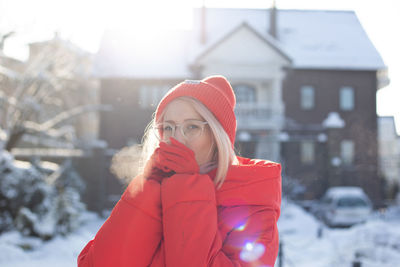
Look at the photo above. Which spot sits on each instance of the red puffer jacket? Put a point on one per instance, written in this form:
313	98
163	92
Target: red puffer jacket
185	221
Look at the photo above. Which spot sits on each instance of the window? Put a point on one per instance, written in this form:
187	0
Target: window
346	98
351	201
347	152
150	95
245	94
307	152
307	98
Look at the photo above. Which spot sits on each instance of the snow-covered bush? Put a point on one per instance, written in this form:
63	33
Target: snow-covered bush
36	201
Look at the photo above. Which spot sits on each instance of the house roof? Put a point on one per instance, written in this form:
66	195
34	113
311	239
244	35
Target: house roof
269	40
312	39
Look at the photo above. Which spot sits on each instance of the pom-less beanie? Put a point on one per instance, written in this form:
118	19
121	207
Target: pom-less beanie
214	92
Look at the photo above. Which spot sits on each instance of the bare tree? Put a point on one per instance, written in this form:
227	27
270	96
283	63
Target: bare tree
44	100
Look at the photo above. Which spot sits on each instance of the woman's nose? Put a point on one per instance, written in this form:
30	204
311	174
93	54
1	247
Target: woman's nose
178	135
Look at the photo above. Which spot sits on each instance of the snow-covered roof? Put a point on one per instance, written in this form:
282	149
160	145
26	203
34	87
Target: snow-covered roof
327	40
269	40
315	39
339	191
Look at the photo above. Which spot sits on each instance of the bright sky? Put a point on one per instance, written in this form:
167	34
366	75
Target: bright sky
83	22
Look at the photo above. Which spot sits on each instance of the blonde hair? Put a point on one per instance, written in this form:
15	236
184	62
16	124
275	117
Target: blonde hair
224	149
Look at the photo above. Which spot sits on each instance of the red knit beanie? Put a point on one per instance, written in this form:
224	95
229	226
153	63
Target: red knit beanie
215	93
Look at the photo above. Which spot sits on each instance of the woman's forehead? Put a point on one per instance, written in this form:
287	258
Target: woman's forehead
179	111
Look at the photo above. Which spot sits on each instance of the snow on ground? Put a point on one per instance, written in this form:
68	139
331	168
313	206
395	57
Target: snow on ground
377	242
19	251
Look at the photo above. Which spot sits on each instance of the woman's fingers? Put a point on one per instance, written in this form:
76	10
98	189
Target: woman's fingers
175	151
172	165
178	163
167	156
177	157
178	144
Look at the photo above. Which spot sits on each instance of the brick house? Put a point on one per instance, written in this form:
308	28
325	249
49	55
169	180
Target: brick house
305	83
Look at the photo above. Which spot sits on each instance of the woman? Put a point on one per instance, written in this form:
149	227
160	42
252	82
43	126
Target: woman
196	203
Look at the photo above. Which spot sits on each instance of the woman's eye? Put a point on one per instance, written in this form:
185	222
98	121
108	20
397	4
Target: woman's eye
192	127
167	128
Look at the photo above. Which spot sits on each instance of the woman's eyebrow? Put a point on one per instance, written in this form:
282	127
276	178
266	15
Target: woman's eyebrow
196	119
170	121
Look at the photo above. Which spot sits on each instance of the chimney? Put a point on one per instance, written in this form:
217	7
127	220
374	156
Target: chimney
272	20
203	37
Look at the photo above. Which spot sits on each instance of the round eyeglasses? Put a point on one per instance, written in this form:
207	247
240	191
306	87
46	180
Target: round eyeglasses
190	129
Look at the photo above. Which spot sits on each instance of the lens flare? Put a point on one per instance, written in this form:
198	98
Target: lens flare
249	246
241	227
252	251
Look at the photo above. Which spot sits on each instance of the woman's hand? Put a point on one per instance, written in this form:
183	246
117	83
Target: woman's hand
178	157
154	170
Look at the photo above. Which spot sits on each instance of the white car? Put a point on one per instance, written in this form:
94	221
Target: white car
344	206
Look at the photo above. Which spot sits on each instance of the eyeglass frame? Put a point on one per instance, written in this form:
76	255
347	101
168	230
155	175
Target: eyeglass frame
157	128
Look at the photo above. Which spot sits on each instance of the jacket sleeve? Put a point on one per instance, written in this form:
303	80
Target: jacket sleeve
132	233
191	233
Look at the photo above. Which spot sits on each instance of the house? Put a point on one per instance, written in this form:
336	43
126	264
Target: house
57	68
389	154
305	83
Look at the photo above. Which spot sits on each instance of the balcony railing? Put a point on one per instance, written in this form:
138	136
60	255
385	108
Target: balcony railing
258	116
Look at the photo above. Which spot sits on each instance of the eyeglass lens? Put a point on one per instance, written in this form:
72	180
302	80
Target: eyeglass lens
189	129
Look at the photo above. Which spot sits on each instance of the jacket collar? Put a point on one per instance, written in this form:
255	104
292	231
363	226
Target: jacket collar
251	182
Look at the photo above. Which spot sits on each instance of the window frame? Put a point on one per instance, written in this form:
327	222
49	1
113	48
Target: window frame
347	160
307	102
252	91
304	158
343	99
